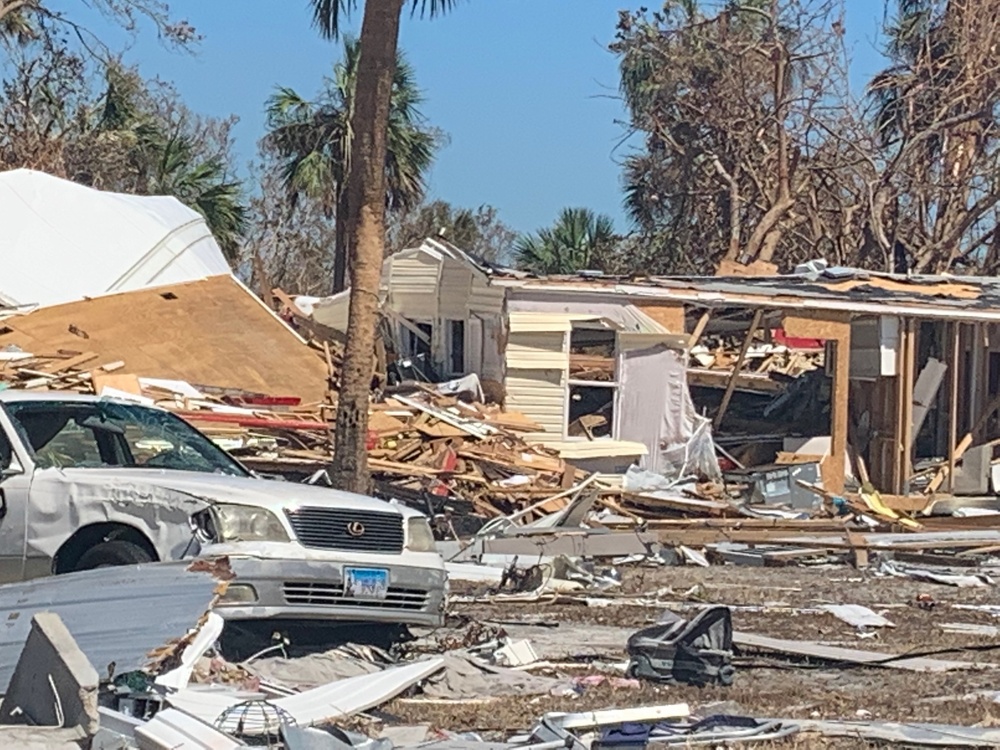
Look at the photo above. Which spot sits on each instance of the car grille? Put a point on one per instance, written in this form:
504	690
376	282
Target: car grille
325	528
332	595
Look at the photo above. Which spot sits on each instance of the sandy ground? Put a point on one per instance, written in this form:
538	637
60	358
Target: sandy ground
782	604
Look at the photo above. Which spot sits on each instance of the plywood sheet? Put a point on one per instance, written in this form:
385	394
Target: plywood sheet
830	326
670	317
735	268
942	289
211	332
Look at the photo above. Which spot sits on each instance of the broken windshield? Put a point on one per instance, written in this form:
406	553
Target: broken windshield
93	434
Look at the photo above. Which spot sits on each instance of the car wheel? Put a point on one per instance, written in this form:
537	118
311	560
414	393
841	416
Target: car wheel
112	554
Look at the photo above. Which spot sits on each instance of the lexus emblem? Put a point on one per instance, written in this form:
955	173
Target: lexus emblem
356	528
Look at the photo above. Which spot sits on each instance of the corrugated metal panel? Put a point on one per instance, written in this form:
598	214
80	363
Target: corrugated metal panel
116	615
454	290
539	395
537	351
485	299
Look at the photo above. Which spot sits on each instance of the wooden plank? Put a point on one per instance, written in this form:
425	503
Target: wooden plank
820	652
745	382
73	363
908	381
729	267
833	468
699	329
728	395
956	341
127	382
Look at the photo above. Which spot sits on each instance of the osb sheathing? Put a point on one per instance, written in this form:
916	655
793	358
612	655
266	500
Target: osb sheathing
211	332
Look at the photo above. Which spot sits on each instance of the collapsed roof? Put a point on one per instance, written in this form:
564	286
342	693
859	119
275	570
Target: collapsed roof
62	241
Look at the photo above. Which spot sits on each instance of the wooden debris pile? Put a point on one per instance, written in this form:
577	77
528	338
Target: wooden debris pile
58	371
429	445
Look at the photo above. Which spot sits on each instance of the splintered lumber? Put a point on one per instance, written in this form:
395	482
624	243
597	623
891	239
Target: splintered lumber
955	454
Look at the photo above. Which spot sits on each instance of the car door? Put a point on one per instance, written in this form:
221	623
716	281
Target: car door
15	485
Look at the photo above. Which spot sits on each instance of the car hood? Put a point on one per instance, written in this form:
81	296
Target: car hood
221	488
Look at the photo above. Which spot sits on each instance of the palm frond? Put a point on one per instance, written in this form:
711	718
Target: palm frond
328	15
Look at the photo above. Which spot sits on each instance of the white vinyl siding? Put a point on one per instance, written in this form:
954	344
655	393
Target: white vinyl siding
413	287
537	350
540	395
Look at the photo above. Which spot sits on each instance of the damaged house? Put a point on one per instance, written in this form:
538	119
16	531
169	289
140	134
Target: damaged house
896	376
602	377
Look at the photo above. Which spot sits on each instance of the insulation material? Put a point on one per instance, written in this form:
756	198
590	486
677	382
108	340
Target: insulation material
53	229
655	409
193	332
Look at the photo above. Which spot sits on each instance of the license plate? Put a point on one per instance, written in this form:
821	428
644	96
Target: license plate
366	583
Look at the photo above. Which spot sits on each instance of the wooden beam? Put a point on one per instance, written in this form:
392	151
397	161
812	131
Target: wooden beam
406	324
728	395
956	340
699	329
833	476
906	441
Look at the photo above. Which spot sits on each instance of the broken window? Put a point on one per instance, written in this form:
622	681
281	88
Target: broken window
419	345
591	411
593	383
456	347
592	354
82	434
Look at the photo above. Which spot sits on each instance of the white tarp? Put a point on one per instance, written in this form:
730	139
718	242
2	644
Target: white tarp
61	242
656	410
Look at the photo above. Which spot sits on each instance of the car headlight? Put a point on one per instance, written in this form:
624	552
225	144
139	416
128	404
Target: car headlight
241	523
419	537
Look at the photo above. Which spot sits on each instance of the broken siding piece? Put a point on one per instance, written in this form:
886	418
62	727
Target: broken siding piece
333	701
857	616
813	650
164	601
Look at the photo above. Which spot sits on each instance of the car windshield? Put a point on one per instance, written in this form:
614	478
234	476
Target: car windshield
94	434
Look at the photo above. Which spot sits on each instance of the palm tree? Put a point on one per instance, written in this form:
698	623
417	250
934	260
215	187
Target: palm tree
167	160
366	215
313	142
580	239
205	186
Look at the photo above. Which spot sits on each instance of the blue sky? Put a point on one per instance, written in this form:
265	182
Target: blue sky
525	89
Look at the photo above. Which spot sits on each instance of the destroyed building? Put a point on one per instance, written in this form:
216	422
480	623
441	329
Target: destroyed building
901	372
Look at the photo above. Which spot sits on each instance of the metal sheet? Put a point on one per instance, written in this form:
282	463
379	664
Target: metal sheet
228	709
116	615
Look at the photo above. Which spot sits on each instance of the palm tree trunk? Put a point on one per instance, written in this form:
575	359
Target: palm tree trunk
340	242
366	212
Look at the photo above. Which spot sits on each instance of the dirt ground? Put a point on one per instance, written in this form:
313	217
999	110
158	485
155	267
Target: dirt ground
777	602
